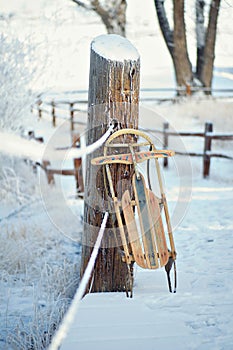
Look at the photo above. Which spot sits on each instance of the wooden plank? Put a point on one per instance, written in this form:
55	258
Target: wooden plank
217	136
148	238
133	234
157	224
66	172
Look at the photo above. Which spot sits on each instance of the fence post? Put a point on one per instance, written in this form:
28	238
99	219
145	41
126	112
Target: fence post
78	167
53	114
49	174
207	149
72	116
113	96
39	103
165	142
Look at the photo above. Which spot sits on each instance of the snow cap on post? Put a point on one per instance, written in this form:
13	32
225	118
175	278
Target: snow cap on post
114	47
114	76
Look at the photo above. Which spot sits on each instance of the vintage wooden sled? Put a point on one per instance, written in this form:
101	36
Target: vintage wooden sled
145	242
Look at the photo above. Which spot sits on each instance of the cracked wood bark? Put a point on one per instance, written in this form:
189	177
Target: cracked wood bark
113	94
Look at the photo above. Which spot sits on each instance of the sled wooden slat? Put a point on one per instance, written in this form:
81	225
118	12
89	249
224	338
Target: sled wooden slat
133	235
148	239
157	225
122	145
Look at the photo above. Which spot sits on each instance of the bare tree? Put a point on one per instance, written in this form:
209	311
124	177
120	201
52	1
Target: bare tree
176	41
111	12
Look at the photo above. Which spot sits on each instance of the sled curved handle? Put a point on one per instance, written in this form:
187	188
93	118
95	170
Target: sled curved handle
128	132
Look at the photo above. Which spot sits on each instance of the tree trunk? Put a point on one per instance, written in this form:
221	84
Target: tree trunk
164	26
182	64
176	42
113	95
200	35
206	73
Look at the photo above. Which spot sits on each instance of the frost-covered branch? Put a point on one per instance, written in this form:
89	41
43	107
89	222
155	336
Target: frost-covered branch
82	4
16	72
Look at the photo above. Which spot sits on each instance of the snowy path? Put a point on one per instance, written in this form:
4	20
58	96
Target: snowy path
199	316
115	322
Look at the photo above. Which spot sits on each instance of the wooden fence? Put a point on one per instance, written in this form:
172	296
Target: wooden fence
208	136
70	107
60	109
67	110
77	171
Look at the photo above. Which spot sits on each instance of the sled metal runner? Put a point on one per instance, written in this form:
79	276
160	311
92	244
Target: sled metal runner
144	243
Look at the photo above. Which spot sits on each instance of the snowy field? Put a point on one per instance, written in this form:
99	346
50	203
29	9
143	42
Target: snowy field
40	252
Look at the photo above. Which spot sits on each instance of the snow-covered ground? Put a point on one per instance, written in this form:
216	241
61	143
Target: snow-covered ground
40	248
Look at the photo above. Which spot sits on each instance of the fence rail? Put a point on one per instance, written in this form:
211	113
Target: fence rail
54	109
69	113
208	136
70	104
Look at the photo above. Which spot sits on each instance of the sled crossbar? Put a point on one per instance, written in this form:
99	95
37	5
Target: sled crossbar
128	159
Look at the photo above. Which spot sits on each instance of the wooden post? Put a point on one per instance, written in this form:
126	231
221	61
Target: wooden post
188	90
53	114
71	116
49	174
78	167
113	97
207	148
165	142
39	103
